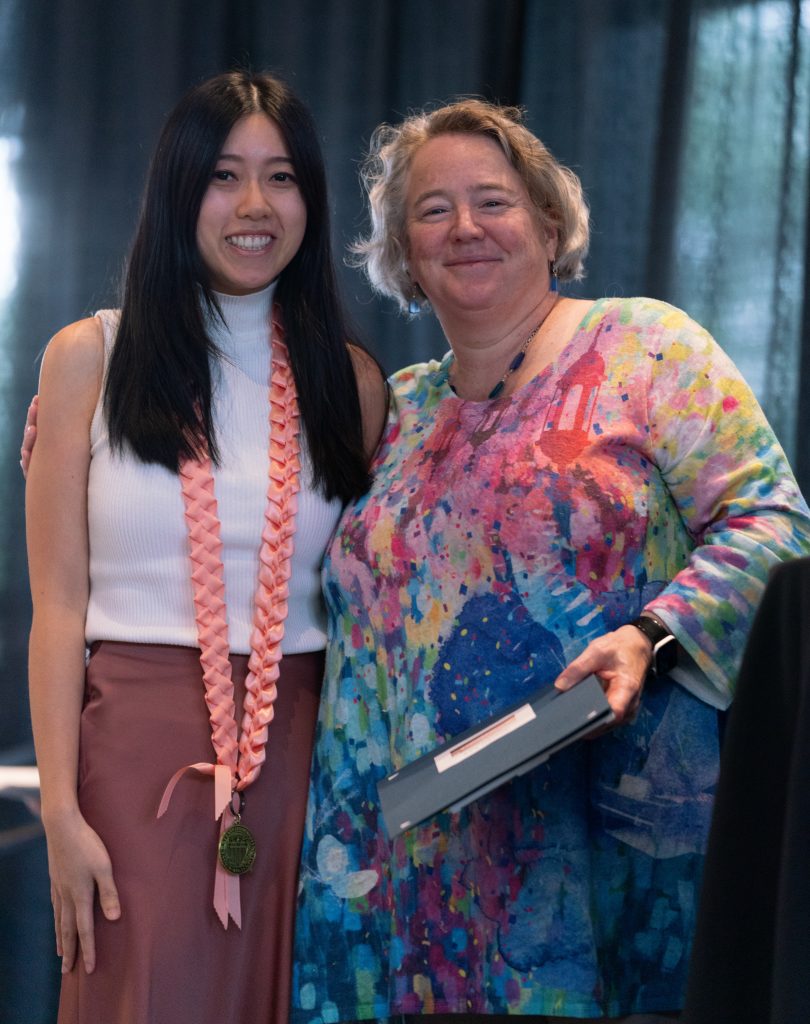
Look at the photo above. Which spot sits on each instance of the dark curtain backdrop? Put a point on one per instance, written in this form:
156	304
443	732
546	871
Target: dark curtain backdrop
686	119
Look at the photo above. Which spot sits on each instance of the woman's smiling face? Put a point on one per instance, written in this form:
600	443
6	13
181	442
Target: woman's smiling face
473	236
253	217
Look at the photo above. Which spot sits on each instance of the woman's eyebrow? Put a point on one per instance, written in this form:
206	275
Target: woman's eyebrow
484	186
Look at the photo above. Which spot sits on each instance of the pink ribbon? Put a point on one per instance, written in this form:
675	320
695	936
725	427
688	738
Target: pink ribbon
242	759
226	886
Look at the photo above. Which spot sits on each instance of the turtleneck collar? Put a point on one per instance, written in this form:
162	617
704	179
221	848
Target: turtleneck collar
247	315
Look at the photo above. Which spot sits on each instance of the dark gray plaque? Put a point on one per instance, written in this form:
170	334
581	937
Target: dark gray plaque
478	760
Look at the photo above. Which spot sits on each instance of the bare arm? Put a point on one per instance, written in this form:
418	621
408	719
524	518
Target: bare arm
56	526
373	394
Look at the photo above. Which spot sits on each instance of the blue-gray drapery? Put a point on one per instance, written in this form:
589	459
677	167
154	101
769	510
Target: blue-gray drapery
686	119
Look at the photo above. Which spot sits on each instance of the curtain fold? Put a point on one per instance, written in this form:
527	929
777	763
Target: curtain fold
741	221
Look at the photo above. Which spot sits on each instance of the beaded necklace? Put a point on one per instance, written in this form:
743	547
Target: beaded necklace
517	360
239	758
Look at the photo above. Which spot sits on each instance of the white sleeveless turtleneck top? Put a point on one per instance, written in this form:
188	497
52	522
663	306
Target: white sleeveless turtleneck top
140	586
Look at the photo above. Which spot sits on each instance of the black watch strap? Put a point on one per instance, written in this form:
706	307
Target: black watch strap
664	645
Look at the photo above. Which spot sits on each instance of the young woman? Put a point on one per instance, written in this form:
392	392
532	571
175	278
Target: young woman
177	515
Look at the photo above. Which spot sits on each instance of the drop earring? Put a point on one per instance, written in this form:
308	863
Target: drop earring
554	286
414	306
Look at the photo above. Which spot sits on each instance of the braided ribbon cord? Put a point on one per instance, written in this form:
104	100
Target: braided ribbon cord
238	762
275	558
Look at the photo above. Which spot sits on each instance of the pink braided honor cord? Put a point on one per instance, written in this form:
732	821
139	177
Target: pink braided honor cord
244	758
275	558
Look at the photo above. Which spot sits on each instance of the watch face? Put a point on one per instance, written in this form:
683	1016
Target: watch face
665	655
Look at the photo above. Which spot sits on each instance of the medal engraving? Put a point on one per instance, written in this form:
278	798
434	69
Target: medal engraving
237	849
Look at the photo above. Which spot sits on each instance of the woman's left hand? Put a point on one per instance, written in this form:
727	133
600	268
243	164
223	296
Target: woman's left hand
620	660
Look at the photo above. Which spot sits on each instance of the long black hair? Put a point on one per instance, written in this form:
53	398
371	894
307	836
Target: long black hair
157	396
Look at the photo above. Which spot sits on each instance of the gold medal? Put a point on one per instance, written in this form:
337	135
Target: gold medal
237	849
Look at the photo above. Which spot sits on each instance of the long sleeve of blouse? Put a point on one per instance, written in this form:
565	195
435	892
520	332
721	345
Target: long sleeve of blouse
735	493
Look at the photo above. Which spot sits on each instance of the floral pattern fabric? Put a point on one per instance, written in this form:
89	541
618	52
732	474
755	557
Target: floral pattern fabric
498	539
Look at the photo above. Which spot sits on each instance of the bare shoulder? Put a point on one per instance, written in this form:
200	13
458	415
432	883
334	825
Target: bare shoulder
366	369
69	384
72	367
77	348
373	392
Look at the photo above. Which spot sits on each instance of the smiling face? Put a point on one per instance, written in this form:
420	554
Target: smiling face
253	217
473	238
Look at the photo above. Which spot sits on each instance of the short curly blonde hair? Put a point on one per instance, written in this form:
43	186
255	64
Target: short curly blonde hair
555	191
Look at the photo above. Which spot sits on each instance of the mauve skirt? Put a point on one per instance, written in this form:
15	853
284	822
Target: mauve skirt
168	960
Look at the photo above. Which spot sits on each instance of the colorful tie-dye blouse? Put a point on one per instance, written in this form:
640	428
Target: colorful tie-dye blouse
498	539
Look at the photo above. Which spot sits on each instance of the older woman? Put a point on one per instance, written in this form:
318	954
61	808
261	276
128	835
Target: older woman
577	486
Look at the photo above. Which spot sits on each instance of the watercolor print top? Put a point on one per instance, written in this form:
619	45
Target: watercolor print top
498	539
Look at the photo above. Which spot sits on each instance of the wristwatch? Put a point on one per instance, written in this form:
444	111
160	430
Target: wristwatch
664	644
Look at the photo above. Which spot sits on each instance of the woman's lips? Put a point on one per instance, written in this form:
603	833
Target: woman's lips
471	261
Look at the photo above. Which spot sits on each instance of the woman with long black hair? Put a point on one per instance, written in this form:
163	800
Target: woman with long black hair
177	517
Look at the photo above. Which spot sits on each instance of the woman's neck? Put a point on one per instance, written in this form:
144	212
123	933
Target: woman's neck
484	347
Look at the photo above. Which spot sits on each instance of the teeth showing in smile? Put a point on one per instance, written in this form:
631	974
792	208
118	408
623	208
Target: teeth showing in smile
251	242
